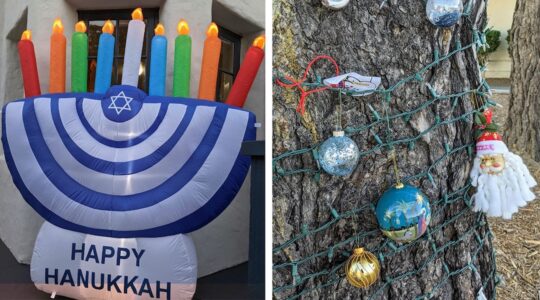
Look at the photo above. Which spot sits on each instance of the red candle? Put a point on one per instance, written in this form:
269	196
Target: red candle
247	73
27	58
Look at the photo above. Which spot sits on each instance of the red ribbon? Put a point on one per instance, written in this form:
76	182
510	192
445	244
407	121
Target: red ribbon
298	84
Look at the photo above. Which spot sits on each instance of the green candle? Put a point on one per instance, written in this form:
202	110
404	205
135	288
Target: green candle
182	61
79	58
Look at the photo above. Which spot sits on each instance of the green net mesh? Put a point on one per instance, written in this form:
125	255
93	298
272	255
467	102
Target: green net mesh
305	274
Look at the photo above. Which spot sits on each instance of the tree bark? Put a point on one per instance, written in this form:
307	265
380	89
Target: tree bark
523	125
392	42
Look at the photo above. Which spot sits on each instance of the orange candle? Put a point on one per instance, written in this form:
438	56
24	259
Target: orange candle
57	63
210	63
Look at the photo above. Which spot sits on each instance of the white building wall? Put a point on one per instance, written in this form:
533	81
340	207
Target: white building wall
19	223
198	14
222	243
41	15
500	14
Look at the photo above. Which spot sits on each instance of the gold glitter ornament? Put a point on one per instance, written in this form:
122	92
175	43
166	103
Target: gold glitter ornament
362	269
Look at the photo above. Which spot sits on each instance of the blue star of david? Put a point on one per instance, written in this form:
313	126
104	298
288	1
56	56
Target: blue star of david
117	108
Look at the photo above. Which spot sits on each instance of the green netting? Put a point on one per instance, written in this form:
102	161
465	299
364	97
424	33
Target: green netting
302	272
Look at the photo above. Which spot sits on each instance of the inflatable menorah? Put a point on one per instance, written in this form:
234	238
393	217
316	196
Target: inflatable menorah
120	177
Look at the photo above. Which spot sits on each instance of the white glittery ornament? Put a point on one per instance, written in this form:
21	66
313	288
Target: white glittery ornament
335	4
339	155
444	13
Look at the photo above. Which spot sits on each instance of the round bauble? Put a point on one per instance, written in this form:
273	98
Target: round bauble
335	4
339	155
444	13
362	269
403	213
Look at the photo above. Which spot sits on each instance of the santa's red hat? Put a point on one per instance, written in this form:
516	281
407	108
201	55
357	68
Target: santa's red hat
490	143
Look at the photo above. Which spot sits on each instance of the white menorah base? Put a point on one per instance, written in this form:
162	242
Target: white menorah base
83	266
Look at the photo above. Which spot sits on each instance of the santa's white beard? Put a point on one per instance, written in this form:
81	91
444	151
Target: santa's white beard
501	195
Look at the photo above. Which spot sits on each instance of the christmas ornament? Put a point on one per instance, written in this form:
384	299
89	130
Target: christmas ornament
444	13
335	4
339	155
403	213
503	182
362	269
354	83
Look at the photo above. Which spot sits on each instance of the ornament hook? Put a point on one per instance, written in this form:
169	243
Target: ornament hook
399	184
339	119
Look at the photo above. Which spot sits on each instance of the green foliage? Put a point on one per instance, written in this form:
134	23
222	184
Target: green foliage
481	125
509	40
479	119
493	41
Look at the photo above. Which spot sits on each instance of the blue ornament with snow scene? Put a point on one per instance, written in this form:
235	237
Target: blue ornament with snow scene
403	213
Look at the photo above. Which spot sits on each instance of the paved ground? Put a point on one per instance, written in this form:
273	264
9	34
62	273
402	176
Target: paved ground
15	283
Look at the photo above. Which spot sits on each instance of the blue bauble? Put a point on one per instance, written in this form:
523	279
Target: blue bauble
444	13
339	155
403	213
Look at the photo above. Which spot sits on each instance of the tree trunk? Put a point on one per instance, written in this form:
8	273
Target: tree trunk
392	42
523	125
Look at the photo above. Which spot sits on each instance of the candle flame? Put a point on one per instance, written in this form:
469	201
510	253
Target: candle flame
259	42
159	30
137	14
57	26
108	27
26	35
183	27
212	30
80	26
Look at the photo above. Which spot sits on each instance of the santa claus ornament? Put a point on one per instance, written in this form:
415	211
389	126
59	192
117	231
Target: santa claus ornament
503	182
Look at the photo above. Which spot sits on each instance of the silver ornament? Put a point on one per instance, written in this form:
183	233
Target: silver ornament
444	13
339	155
335	4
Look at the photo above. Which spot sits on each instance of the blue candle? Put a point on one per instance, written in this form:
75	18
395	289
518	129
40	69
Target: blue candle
105	59
158	62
